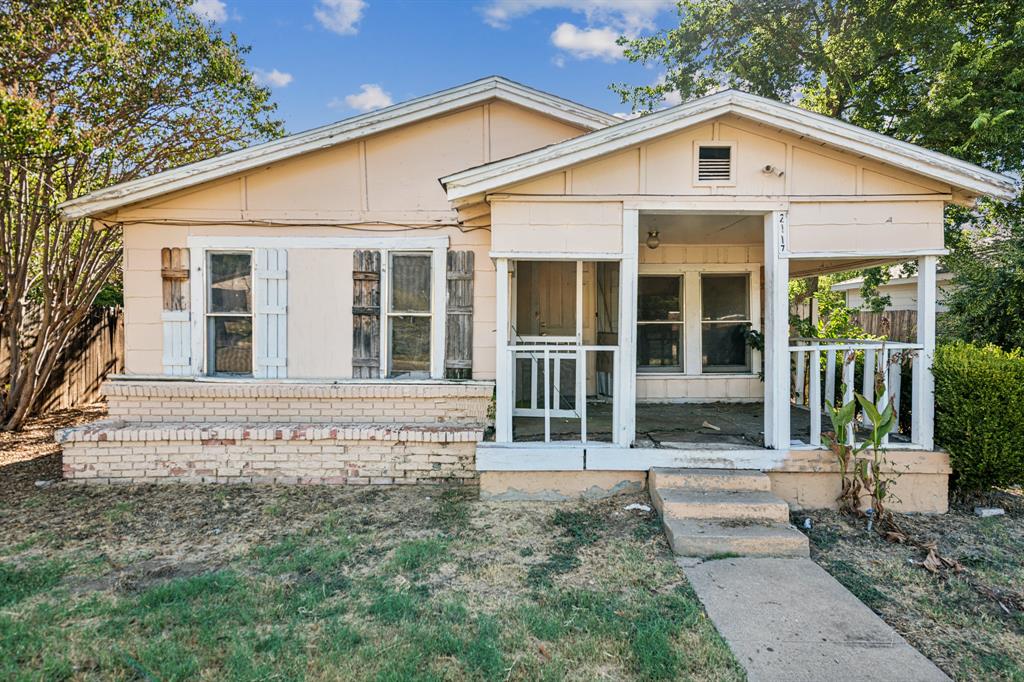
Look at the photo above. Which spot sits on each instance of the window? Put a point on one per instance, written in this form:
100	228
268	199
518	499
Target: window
715	163
725	320
409	315
229	313
660	324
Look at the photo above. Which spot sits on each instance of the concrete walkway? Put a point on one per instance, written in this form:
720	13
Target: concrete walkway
788	619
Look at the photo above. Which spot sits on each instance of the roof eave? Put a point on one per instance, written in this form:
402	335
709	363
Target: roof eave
483	179
110	198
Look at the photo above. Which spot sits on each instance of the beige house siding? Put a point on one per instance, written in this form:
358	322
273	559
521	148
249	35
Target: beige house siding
390	177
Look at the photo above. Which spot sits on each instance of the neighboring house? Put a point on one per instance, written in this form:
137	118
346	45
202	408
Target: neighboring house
340	305
898	320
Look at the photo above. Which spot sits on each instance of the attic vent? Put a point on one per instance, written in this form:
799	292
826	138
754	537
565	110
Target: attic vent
714	163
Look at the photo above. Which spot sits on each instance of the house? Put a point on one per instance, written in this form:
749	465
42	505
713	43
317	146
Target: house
898	321
342	304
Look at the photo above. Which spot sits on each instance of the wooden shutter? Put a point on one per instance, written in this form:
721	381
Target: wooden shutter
366	314
270	329
458	357
177	346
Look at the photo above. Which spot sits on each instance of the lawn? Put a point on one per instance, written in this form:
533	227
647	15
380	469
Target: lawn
251	582
971	623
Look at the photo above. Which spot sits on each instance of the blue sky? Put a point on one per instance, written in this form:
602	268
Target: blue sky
330	59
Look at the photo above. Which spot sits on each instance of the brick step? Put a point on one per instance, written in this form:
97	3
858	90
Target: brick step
696	538
710	479
674	503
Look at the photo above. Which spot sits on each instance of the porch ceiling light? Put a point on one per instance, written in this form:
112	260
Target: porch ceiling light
652	239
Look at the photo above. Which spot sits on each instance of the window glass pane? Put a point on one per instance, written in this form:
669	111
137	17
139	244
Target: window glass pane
545	298
725	347
410	347
658	299
658	345
410	283
724	297
230	345
230	283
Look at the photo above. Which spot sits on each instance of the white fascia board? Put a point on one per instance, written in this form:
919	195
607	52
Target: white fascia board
482	179
115	196
370	242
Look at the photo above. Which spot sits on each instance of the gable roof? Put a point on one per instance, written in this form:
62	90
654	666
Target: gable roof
967	176
403	113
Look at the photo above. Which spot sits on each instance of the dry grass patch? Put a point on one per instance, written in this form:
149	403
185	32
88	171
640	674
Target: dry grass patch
970	624
255	582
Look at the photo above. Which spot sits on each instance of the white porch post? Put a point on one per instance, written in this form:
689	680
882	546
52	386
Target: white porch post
776	332
625	395
923	425
503	364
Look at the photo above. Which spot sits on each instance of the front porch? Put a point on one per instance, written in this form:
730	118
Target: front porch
717	425
682	341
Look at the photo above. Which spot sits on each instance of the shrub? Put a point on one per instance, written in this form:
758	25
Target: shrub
979	414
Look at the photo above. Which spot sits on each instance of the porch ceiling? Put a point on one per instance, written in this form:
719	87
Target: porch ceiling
703	229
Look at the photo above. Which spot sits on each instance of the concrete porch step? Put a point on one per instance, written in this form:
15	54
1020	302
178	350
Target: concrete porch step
742	504
710	479
701	538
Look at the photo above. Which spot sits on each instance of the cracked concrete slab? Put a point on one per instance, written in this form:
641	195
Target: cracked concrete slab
788	619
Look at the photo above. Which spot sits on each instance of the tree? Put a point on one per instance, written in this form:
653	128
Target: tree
945	75
95	92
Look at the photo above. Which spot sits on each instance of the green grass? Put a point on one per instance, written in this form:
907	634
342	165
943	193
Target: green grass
385	588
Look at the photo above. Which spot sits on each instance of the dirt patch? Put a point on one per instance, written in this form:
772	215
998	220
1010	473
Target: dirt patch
968	622
31	454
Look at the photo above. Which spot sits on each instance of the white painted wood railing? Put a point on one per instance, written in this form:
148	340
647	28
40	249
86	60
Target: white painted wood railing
884	358
545	371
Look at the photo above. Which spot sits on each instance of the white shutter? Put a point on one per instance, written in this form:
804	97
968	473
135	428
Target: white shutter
177	353
271	323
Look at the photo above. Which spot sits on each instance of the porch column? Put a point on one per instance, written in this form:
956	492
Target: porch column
625	396
776	332
923	417
503	366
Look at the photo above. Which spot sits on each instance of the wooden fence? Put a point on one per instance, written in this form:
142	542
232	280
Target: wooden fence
94	351
902	324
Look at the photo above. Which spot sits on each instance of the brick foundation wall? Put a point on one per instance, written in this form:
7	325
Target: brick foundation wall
371	402
110	452
355	432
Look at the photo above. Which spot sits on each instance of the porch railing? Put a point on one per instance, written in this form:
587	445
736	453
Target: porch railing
547	392
820	368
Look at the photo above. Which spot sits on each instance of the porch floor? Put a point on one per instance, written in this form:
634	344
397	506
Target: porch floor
673	425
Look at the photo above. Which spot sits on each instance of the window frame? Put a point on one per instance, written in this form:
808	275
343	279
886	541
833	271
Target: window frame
733	163
207	340
387	313
681	323
748	320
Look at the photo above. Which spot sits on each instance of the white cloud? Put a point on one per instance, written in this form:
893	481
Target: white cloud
340	16
587	43
211	10
370	96
627	16
626	117
273	78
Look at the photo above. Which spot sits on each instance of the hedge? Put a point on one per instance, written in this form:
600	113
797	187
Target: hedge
979	414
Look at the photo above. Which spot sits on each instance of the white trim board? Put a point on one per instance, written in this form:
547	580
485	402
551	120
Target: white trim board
947	169
404	113
528	457
405	243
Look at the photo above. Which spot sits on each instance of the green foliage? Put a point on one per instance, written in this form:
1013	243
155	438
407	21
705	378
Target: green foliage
986	303
92	94
946	76
979	414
